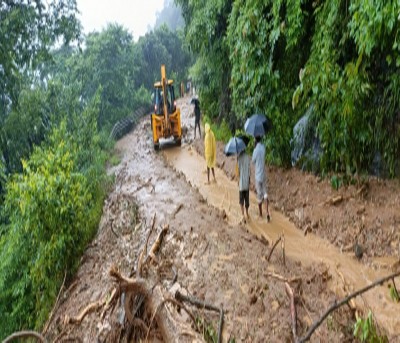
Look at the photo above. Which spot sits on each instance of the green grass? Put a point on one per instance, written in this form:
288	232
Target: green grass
221	131
114	160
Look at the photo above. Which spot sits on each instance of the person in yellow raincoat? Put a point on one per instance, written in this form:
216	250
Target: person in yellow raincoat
210	151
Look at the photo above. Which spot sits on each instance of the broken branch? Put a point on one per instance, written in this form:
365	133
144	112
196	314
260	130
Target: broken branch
200	304
144	250
282	278
157	244
336	305
177	210
90	308
273	247
293	313
178	304
128	284
21	334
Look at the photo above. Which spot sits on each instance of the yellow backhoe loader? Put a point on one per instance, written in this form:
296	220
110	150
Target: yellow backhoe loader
166	119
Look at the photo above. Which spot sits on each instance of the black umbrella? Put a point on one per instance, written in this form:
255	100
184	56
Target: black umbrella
257	125
235	146
195	102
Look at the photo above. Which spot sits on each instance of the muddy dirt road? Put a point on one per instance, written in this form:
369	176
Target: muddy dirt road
208	255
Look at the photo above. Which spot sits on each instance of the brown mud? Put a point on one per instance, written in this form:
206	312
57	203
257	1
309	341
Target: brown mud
207	254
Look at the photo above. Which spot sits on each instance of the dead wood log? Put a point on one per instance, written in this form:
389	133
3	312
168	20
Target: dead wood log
144	250
273	247
109	302
176	303
282	278
336	305
202	305
127	284
333	200
89	308
293	313
24	334
157	244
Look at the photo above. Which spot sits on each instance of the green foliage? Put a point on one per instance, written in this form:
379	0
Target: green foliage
28	29
170	15
221	131
161	46
394	295
206	25
209	333
262	37
107	66
24	127
53	210
284	56
347	84
115	160
336	182
365	330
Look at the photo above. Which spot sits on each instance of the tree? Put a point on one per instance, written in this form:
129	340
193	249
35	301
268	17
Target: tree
170	15
161	46
341	59
27	30
205	29
107	64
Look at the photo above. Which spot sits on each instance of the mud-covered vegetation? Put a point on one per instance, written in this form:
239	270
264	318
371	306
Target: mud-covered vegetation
340	58
57	106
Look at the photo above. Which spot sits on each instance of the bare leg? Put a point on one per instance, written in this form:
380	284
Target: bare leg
208	174
247	213
260	208
213	174
266	207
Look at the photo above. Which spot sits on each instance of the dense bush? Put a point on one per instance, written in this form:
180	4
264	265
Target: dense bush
281	57
53	214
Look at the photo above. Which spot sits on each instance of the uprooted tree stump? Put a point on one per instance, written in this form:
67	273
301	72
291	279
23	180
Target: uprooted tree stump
148	304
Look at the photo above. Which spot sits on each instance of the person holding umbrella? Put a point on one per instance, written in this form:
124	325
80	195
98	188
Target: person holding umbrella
258	159
237	146
258	125
210	151
244	183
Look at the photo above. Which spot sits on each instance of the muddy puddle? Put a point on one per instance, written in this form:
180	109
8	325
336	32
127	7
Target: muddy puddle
348	274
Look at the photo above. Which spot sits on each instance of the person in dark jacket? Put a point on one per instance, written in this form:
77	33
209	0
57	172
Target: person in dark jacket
197	117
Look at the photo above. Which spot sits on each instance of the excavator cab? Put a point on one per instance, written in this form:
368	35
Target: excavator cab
166	119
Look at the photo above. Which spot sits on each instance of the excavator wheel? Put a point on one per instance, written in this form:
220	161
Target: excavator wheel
178	141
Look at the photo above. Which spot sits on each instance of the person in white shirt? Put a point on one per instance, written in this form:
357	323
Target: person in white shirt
260	177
